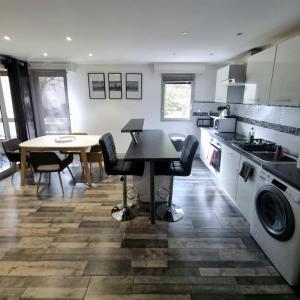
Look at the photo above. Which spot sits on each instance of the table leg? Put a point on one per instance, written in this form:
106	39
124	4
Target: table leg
86	166
23	165
152	200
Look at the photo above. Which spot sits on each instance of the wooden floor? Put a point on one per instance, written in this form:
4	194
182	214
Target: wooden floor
55	247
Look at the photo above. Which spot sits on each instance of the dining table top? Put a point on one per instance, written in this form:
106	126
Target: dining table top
61	142
153	145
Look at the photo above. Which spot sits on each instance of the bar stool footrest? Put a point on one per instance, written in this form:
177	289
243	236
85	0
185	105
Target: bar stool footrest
173	213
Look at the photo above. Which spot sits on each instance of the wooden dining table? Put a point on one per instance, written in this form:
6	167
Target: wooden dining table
76	143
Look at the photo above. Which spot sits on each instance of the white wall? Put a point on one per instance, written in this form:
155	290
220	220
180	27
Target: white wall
100	116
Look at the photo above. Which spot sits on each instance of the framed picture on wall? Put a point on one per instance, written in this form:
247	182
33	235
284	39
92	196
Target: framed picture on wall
134	86
96	85
115	85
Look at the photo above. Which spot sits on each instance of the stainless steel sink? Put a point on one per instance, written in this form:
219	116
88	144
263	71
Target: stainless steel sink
269	157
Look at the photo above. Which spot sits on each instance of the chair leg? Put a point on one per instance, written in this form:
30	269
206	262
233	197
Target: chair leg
14	170
101	171
39	182
124	211
168	211
60	181
74	181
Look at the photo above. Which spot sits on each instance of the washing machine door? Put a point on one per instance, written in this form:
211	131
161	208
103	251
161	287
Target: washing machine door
275	213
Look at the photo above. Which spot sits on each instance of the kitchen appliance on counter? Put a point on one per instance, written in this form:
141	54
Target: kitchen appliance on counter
275	224
224	111
204	121
221	125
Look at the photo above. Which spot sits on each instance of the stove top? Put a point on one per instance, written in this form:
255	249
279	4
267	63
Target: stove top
256	145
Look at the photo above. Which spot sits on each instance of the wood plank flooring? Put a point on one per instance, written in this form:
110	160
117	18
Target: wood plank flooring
68	247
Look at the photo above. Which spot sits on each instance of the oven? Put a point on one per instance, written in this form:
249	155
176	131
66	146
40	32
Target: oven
215	158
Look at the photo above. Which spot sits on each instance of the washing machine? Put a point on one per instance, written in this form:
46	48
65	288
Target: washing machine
276	225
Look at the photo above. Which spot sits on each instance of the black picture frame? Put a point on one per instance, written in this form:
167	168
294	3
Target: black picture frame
115	86
96	83
134	86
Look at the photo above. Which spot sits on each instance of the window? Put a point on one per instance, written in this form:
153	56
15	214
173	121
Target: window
177	91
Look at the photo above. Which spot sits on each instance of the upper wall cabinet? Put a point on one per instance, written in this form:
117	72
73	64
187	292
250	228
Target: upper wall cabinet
285	89
228	84
259	77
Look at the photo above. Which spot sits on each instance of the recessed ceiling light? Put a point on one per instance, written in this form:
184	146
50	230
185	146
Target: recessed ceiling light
68	38
185	33
6	37
45	54
239	33
90	54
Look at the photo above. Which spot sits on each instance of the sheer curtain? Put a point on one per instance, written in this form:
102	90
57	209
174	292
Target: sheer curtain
51	101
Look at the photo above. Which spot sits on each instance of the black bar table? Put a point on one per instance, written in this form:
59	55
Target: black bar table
134	126
153	146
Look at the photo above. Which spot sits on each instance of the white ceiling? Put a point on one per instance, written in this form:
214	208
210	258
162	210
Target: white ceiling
141	31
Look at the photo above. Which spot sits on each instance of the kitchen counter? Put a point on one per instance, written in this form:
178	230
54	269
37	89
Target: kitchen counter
227	138
288	173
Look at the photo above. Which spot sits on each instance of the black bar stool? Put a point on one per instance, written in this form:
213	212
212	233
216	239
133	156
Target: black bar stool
114	166
168	211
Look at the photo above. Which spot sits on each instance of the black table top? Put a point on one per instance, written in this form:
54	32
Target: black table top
133	125
153	145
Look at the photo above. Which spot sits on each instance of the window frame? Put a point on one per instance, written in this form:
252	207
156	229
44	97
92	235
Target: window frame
162	112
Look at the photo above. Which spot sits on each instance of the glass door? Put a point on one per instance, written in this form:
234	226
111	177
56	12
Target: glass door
51	97
7	118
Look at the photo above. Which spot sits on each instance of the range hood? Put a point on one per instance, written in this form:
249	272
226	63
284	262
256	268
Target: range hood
232	82
233	75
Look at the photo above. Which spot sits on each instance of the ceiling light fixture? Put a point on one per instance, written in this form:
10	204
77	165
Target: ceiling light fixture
185	33
239	33
45	54
68	38
6	37
90	54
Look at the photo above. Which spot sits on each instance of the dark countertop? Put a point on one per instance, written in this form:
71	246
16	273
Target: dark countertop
134	125
227	138
153	145
286	172
289	173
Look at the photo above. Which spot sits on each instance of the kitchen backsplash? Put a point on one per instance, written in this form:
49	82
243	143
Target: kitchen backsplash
276	123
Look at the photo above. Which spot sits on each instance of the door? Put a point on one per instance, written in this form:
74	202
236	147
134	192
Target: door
245	195
7	118
285	89
51	101
259	77
275	213
221	89
230	162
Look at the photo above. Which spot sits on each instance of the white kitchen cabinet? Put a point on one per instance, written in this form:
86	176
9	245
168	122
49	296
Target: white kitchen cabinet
230	162
205	139
285	88
245	196
259	77
226	93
